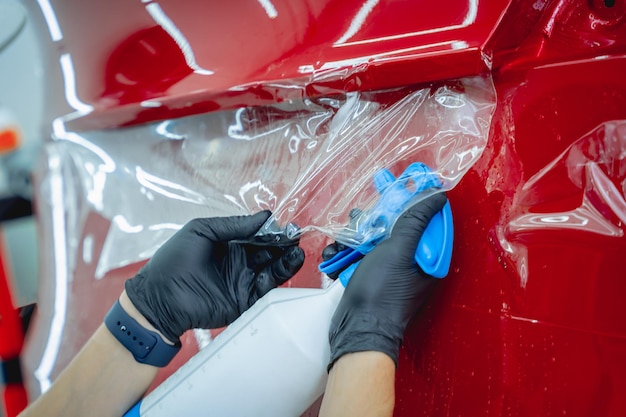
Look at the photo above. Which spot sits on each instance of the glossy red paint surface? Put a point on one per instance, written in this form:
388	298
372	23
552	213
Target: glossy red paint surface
240	53
550	340
530	321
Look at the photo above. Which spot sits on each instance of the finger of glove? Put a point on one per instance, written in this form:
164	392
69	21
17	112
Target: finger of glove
281	270
328	253
222	229
410	226
332	250
259	258
246	294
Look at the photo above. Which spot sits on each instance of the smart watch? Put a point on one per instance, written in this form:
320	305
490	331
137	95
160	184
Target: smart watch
147	347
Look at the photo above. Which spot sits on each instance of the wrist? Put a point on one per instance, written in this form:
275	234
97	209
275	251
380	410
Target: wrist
133	312
363	332
146	345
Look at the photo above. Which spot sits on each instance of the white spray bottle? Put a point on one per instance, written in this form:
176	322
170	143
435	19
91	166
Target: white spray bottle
270	362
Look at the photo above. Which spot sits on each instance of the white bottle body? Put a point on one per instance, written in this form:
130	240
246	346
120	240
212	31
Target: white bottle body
270	362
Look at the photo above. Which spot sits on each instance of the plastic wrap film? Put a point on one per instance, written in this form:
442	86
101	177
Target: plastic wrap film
308	162
110	198
582	190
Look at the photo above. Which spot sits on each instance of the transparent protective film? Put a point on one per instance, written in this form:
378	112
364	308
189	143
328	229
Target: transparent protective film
444	127
309	162
583	189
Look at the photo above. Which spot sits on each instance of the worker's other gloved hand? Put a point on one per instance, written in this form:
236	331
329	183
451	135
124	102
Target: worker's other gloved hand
200	279
386	290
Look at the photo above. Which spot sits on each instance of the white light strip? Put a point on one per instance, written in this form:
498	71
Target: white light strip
59	132
126	227
51	20
69	79
164	226
161	129
381	57
472	12
61	277
269	8
166	23
357	21
470	18
157	184
48	359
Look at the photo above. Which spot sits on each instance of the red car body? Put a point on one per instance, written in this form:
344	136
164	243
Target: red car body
531	319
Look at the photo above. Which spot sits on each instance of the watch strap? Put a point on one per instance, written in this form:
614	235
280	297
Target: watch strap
147	347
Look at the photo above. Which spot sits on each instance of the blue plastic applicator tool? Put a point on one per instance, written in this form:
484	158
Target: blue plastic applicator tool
434	251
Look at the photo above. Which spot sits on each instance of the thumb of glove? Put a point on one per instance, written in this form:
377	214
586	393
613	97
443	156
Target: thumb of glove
410	227
223	229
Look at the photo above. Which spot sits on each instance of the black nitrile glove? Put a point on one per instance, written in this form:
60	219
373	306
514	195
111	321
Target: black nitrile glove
386	290
200	279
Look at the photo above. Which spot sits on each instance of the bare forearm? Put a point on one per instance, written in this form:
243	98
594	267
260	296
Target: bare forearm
360	384
102	380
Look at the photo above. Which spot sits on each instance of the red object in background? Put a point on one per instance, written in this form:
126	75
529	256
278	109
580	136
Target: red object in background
11	342
529	322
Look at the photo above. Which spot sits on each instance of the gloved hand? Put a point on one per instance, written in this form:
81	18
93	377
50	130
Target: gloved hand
200	279
386	290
